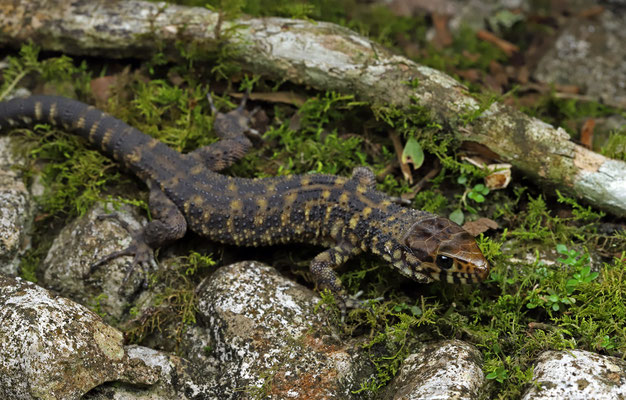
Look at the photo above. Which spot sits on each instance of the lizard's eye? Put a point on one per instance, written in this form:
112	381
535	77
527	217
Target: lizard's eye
444	262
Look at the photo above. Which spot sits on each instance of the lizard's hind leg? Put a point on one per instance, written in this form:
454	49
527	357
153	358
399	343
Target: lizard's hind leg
168	225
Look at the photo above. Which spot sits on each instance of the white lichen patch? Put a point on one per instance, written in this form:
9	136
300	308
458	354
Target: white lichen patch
444	370
577	375
606	185
439	78
15	212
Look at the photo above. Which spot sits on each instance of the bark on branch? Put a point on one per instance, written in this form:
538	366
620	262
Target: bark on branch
324	56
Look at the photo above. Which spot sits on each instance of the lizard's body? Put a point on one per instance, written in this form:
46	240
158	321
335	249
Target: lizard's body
348	215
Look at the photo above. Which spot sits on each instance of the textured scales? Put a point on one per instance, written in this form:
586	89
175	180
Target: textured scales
347	215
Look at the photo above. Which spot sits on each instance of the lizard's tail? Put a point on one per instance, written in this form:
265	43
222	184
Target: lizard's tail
110	135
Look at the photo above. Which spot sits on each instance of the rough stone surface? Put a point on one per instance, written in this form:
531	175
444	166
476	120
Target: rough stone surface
53	348
83	242
270	343
15	209
577	375
450	369
178	379
590	54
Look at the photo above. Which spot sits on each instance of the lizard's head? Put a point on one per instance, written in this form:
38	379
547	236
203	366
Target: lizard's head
441	249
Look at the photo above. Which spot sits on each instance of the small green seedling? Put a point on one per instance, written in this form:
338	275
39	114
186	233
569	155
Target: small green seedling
478	193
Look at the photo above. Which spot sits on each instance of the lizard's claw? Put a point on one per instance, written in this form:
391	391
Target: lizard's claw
142	252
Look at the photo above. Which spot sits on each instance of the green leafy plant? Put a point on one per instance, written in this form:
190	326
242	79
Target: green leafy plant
413	153
551	301
575	260
478	193
475	193
499	374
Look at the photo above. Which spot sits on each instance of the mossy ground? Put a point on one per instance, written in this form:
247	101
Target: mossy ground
557	279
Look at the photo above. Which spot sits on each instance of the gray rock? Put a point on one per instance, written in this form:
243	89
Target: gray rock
475	13
577	375
178	379
83	242
270	343
450	369
590	54
53	348
15	212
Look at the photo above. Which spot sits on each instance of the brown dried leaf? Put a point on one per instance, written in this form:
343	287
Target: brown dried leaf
591	12
586	133
479	226
101	88
443	37
500	176
471	74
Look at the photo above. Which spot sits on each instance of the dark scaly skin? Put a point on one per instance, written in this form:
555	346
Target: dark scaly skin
347	215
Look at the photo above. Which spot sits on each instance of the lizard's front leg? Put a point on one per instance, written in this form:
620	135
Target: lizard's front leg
168	225
323	270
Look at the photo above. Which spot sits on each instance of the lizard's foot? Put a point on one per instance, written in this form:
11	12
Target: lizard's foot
142	252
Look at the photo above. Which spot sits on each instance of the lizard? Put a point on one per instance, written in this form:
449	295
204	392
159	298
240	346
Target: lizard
346	215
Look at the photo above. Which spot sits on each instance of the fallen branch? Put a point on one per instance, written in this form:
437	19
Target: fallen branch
324	56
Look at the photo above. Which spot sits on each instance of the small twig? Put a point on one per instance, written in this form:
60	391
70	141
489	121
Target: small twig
507	47
397	145
415	189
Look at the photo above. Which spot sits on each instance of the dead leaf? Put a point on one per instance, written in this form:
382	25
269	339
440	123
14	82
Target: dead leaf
479	226
586	133
471	74
443	37
499	177
101	88
591	12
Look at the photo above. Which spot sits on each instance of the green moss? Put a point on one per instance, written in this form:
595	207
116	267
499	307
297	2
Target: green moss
74	176
567	113
175	307
615	146
55	71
